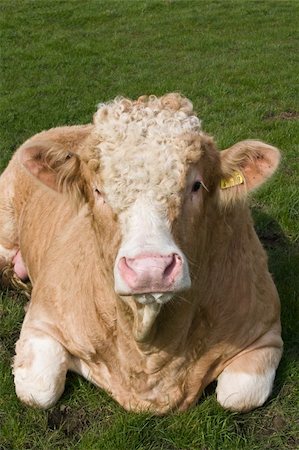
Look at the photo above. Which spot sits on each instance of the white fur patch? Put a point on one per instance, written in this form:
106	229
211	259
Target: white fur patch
146	231
40	368
240	391
141	148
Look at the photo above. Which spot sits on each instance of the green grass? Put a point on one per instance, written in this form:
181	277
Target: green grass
236	60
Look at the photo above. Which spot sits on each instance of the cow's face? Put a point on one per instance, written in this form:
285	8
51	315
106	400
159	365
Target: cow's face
152	168
152	160
157	201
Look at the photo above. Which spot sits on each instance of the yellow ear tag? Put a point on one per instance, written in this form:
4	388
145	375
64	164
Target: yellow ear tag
236	179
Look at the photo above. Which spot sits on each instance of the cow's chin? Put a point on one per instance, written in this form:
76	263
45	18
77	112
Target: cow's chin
154	297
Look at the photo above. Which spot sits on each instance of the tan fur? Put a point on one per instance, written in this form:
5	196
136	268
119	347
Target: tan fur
230	316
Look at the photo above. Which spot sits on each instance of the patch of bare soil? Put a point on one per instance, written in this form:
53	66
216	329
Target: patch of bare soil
68	420
285	115
273	424
278	424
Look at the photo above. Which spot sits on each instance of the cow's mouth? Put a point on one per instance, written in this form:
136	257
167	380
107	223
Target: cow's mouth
154	297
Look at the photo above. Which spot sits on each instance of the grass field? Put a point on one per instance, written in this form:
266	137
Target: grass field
237	61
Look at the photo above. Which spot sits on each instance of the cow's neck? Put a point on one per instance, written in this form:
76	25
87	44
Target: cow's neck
229	264
154	329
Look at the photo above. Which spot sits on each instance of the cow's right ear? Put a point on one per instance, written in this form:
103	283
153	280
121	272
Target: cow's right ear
56	167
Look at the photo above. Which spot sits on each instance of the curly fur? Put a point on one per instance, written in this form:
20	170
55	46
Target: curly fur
154	135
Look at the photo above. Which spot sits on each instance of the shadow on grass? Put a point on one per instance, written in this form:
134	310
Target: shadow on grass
283	260
284	266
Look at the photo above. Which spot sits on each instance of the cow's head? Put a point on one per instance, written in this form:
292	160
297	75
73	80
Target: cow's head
153	167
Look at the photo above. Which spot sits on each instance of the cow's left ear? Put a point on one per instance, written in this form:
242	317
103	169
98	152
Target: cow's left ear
57	168
247	164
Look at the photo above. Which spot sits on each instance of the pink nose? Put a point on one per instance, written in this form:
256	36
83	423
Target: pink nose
150	273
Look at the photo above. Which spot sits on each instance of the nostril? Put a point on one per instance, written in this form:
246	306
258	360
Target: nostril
126	262
173	266
125	267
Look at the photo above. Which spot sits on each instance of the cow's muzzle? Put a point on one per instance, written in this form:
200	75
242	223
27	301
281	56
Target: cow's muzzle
150	273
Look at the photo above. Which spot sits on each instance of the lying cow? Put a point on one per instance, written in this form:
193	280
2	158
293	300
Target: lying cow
148	277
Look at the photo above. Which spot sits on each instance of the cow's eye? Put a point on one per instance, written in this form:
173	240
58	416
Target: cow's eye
196	186
97	191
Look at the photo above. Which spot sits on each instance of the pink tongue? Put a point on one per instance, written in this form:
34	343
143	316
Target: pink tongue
19	266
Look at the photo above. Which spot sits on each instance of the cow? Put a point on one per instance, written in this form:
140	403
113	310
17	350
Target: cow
148	278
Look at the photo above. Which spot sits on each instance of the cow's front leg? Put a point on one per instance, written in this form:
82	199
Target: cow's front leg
40	368
247	382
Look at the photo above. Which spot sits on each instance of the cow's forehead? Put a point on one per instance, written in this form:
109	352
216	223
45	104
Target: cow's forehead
145	147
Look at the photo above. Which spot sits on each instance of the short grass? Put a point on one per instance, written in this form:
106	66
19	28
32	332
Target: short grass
237	61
